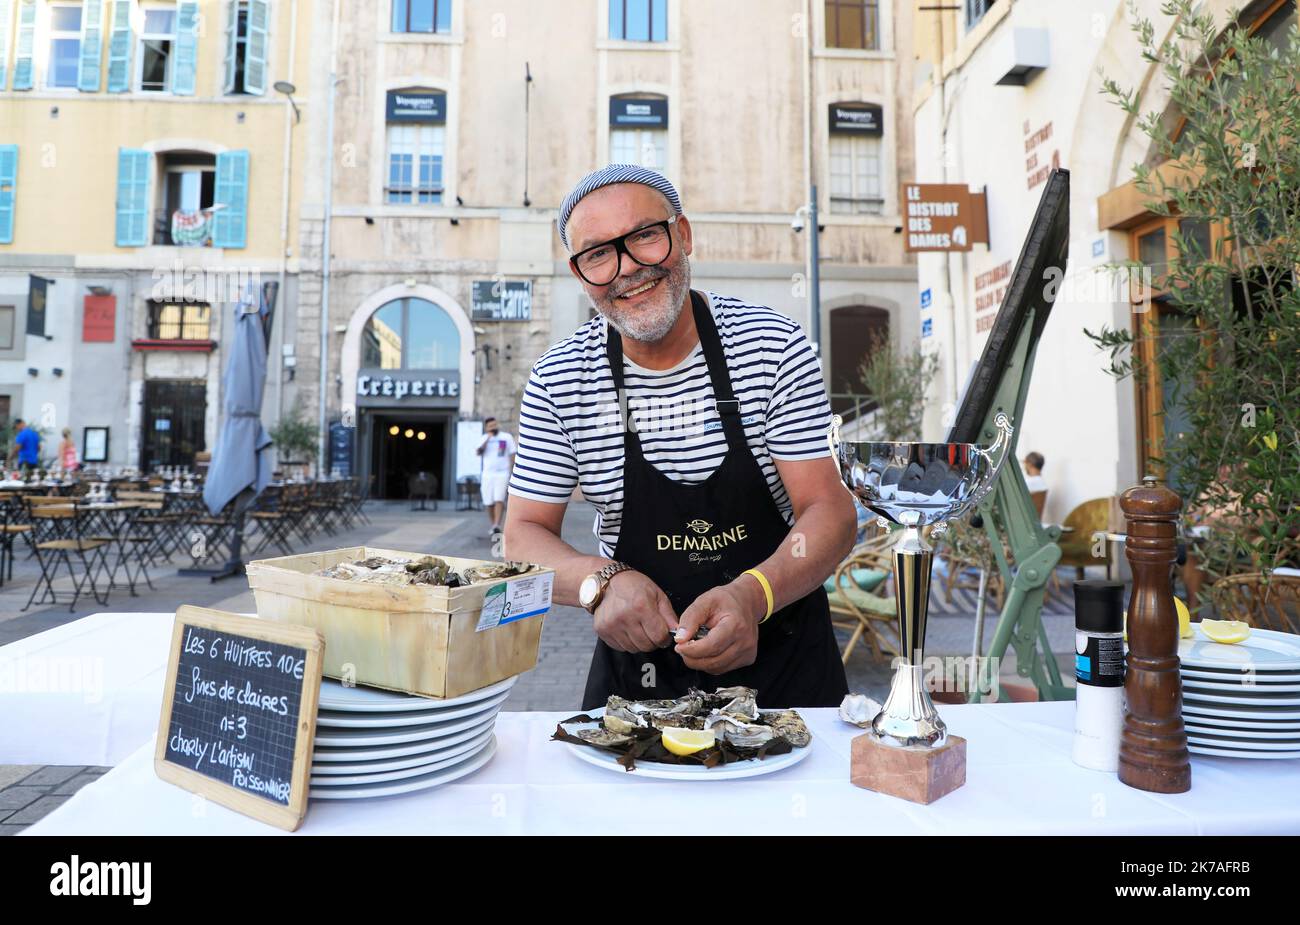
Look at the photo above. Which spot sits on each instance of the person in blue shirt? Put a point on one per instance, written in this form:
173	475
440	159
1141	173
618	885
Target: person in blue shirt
27	443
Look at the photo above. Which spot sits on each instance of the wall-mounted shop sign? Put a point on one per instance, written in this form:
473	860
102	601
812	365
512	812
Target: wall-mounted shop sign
943	217
417	104
433	387
856	119
502	300
644	113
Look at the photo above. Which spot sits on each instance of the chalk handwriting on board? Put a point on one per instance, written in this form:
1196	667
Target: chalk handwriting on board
240	712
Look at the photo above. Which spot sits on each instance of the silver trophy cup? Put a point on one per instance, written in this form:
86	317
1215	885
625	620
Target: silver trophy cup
916	485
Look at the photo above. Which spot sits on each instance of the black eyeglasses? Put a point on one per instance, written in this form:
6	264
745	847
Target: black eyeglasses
648	246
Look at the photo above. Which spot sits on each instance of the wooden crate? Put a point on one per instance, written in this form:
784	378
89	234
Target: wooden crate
420	639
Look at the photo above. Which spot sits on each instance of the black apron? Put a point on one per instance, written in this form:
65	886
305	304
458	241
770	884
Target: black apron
690	537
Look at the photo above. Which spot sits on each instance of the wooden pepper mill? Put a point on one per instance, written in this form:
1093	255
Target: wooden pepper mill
1153	746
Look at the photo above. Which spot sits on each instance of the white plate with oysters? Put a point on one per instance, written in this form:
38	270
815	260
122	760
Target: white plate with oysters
732	714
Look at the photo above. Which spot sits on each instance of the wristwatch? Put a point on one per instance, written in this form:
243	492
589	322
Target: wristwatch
592	589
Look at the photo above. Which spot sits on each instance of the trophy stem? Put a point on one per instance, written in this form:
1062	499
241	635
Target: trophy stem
909	717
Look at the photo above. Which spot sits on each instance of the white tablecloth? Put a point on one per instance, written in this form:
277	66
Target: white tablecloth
87	692
1020	778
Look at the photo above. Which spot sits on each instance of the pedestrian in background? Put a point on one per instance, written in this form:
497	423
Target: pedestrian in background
27	444
498	452
68	452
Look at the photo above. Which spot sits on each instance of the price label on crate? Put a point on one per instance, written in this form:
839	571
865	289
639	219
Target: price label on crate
517	599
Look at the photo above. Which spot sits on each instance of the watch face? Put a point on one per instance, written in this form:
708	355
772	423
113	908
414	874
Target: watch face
587	590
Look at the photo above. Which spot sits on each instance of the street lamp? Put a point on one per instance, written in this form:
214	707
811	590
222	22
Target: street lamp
288	89
814	266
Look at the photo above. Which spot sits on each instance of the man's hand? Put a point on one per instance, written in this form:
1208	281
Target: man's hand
731	612
634	615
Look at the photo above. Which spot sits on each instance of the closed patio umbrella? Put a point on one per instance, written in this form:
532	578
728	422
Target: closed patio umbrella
241	466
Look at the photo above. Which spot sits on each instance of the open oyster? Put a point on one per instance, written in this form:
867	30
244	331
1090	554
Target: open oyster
859	710
789	725
740	733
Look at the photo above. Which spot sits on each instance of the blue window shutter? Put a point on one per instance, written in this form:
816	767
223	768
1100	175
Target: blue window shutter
8	189
119	48
133	168
230	224
6	11
616	19
232	33
26	42
658	20
259	16
92	45
187	42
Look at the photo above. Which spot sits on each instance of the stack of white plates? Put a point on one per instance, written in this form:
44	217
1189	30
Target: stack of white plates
373	743
1242	700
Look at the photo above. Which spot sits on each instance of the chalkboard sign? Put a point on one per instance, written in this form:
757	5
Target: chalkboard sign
239	712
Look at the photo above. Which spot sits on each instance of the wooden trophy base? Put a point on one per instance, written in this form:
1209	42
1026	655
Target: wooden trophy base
921	775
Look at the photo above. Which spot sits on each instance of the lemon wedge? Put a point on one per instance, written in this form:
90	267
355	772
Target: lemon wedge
682	741
1225	631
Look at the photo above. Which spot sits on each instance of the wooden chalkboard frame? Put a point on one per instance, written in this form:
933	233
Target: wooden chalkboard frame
285	817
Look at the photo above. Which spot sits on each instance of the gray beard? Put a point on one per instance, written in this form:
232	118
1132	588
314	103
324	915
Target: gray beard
651	323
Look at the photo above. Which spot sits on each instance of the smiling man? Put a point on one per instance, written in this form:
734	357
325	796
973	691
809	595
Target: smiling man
718	505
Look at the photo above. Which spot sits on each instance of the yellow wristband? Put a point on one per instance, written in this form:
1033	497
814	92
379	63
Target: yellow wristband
767	591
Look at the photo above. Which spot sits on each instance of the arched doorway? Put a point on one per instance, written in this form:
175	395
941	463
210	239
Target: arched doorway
854	330
408	396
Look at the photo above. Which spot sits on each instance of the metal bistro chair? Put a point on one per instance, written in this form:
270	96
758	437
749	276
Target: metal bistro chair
68	543
271	522
133	543
423	485
12	525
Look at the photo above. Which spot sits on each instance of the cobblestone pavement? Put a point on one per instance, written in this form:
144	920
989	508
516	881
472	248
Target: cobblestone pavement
29	792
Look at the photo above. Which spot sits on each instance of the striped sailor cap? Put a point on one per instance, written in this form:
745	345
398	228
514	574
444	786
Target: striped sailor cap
605	176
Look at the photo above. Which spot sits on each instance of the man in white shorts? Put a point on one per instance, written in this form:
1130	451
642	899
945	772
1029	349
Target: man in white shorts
498	452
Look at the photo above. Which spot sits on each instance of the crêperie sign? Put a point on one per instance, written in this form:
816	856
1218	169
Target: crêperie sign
239	712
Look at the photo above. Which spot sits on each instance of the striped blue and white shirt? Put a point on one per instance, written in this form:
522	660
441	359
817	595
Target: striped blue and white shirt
569	423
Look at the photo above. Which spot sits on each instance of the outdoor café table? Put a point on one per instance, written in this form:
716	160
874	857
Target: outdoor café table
1019	776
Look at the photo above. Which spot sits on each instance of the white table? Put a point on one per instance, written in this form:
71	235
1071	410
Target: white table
87	692
1020	778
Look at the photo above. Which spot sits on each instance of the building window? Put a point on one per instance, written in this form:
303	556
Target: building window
415	164
975	10
7	315
421	15
187	193
157	39
65	46
855	175
638	131
180	321
644	147
246	46
410	334
638	20
853	24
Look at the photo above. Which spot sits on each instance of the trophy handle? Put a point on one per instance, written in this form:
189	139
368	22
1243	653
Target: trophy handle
834	436
996	454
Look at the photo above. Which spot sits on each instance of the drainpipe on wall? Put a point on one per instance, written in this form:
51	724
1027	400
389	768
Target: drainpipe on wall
323	437
282	295
809	270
